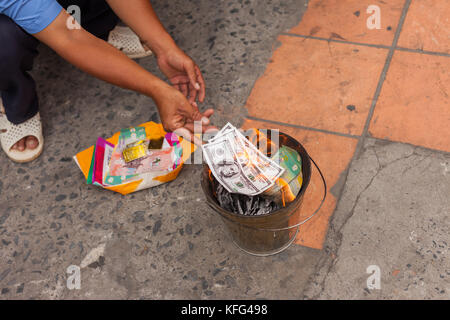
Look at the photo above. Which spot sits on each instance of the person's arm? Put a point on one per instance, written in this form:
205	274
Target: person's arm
103	61
179	68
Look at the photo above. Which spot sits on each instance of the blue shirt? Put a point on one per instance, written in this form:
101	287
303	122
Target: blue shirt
32	15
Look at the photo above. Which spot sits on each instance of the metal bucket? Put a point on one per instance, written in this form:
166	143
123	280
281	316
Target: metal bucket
271	233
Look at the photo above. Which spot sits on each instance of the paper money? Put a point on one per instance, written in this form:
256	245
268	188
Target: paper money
252	172
219	134
270	168
226	169
248	154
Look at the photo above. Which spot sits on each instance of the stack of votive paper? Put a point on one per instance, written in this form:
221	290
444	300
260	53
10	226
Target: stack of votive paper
133	159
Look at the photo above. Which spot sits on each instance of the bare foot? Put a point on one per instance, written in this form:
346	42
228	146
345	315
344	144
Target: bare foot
29	143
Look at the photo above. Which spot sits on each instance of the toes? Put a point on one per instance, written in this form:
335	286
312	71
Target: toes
31	142
21	145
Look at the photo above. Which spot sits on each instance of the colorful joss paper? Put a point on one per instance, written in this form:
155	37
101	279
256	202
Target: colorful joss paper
157	167
289	184
102	156
127	162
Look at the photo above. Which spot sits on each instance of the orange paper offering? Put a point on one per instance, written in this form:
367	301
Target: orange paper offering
153	168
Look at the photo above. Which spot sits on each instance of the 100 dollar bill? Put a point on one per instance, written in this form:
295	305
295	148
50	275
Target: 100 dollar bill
243	163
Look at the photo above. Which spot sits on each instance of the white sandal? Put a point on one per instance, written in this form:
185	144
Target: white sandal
11	133
124	39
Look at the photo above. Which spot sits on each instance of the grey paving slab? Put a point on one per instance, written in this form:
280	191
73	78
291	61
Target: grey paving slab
394	213
162	243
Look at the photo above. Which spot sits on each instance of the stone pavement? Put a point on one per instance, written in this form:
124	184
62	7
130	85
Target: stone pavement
370	106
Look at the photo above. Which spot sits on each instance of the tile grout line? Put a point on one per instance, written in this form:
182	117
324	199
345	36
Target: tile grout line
362	139
379	46
392	48
298	126
446	153
363	136
431	53
382	77
340	134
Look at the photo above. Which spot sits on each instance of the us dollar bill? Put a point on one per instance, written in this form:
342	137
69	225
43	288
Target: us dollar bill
270	168
220	133
224	165
248	154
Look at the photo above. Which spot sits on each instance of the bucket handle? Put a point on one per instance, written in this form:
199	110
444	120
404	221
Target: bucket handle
314	213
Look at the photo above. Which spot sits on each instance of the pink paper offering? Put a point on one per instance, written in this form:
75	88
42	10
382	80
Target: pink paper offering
103	152
172	138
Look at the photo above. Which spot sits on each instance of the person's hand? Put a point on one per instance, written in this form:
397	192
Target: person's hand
182	73
178	114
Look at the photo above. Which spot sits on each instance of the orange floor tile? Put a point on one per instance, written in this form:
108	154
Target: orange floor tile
347	20
333	154
318	84
414	104
427	26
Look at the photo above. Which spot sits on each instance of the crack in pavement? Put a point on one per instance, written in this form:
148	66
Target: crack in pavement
331	256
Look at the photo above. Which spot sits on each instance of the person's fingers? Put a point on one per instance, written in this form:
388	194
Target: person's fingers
184	89
191	127
192	93
192	75
201	81
179	79
208	113
178	82
206	132
188	135
197	128
205	117
192	112
204	120
195	131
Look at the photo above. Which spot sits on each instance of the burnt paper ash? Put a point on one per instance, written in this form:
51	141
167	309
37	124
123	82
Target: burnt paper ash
245	205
